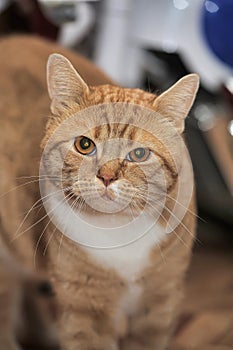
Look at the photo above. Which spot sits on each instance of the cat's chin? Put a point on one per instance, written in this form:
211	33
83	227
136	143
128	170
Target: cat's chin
108	197
106	201
106	204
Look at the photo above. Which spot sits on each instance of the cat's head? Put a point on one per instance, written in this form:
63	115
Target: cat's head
114	147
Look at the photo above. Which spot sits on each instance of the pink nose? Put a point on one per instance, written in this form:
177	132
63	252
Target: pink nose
106	178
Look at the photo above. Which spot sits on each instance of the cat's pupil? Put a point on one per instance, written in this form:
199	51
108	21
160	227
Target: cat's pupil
85	143
139	152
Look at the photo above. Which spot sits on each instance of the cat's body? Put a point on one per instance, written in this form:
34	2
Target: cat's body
118	298
24	106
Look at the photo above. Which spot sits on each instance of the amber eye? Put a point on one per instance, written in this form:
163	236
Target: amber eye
84	145
138	155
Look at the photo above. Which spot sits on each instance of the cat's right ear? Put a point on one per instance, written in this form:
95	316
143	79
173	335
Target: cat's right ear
65	86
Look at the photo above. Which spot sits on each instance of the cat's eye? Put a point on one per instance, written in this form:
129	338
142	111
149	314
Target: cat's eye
84	145
138	155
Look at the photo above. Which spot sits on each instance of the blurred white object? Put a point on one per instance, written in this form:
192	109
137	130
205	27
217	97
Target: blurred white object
60	2
4	4
72	33
129	26
115	52
75	19
230	127
229	84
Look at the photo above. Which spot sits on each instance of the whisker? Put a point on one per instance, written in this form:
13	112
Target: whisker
131	211
157	244
17	234
35	179
50	220
45	199
62	233
161	253
38	176
18	186
180	222
163	217
190	211
172	198
59	247
38	242
81	202
49	240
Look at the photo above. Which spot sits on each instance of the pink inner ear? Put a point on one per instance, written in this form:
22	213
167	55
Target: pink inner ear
175	103
64	83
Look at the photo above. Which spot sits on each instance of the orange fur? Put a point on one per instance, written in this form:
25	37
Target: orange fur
88	293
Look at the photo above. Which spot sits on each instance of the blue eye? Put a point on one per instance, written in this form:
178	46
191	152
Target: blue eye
138	155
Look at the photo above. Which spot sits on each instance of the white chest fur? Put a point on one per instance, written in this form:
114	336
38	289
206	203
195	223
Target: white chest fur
127	260
124	249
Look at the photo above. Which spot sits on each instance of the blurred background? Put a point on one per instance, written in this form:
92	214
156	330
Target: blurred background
150	44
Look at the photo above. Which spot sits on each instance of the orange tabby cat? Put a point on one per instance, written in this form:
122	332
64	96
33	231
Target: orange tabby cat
116	184
24	107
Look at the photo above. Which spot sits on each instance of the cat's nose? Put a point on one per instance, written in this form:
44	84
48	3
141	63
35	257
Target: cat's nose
107	178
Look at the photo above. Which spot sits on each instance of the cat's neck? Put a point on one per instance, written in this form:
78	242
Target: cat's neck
97	229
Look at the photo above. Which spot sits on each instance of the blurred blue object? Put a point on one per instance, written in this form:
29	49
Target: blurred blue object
218	28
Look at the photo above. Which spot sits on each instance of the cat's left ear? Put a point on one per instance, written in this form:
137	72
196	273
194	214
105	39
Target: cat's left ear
65	86
175	103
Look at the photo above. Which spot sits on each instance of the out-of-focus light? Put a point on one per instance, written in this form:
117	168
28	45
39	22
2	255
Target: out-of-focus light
180	4
169	46
211	6
230	127
4	4
205	117
229	84
51	3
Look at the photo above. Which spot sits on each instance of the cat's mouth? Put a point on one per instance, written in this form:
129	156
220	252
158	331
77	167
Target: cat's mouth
106	196
109	194
107	201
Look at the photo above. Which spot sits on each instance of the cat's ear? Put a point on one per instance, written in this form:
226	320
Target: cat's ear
175	103
65	86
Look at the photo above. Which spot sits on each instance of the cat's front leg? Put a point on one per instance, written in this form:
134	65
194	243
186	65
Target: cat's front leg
152	325
149	329
79	332
87	298
84	317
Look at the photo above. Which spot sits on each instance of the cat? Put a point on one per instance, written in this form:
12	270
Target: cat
117	186
24	106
